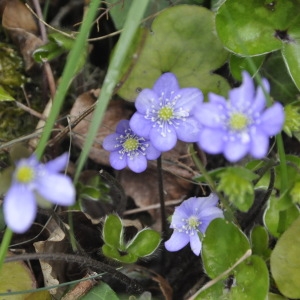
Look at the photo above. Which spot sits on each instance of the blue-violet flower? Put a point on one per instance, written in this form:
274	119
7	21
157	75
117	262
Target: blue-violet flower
190	220
31	181
129	149
240	125
165	113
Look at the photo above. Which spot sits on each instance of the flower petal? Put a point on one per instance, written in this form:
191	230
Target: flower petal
177	241
212	140
137	164
117	160
235	150
272	119
19	208
259	102
188	99
58	164
140	125
145	100
122	126
196	244
210	115
241	97
56	188
167	84
152	152
110	142
259	143
163	143
188	130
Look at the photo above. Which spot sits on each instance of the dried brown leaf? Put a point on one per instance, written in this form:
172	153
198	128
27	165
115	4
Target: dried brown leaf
22	28
116	111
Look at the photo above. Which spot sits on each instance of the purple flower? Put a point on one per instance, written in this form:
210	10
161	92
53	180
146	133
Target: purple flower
129	149
190	220
166	113
32	182
240	125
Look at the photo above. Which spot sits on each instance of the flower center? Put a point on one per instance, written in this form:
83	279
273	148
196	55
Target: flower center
238	121
166	113
130	144
25	174
193	222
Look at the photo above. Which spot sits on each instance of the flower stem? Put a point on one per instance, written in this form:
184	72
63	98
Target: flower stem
228	212
161	198
4	245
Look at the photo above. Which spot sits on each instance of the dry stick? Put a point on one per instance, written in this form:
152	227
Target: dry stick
132	285
215	280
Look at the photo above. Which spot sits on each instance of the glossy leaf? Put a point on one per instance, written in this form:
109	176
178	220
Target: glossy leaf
273	217
223	245
113	231
254	27
144	243
181	41
260	242
285	262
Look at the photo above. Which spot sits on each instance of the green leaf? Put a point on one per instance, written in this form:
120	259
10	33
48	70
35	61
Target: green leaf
144	243
285	261
277	207
254	27
113	231
214	292
5	96
101	292
272	296
292	118
116	254
237	64
252	280
282	87
236	183
260	242
181	41
291	51
223	245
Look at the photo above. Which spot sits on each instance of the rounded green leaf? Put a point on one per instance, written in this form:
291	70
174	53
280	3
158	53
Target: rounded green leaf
260	242
251	280
181	41
114	253
255	27
113	231
144	243
291	49
285	261
274	212
223	244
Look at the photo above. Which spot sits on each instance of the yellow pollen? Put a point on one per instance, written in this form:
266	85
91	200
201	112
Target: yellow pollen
130	144
193	222
165	113
25	174
238	121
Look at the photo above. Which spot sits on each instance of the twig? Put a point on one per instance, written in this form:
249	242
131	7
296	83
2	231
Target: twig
131	285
